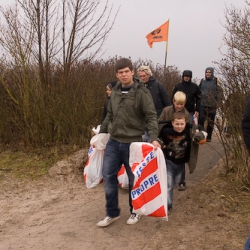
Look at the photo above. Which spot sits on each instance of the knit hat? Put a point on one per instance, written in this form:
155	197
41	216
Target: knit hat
145	69
187	73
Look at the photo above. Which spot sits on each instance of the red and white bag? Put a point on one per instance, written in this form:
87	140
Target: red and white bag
93	169
122	177
149	193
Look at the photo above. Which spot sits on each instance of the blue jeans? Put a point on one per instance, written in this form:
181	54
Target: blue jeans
247	244
116	154
183	176
174	172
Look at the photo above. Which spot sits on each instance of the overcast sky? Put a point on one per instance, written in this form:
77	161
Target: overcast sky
195	31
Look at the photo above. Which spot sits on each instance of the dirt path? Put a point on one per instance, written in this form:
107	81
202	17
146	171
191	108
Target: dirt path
58	212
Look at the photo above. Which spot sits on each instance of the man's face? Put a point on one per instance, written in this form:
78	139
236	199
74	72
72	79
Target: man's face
178	106
208	73
186	78
125	76
179	124
143	76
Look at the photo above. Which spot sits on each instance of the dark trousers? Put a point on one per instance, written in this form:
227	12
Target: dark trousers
207	114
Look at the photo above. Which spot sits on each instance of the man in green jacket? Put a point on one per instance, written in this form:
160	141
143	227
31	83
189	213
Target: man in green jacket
130	111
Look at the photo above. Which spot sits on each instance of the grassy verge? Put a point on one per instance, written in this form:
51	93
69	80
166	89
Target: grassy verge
31	163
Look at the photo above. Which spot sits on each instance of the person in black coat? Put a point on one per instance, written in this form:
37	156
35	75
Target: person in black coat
245	124
156	88
192	92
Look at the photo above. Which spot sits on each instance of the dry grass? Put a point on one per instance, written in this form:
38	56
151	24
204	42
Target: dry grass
29	163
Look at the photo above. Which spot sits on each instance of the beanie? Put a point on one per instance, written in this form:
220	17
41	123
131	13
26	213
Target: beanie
187	73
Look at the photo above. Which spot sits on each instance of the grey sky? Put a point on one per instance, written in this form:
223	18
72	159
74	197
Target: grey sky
195	31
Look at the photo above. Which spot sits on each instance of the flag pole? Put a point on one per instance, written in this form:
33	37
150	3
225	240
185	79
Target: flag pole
166	53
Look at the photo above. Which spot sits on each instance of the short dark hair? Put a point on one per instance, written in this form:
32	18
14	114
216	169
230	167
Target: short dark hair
179	115
123	63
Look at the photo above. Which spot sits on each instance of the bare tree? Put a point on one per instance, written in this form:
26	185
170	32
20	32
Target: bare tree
57	31
40	41
235	69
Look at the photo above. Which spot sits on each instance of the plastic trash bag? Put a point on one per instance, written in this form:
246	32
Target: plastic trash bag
93	168
149	193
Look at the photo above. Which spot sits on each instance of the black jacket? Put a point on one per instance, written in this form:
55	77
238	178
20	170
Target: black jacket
193	94
159	94
245	124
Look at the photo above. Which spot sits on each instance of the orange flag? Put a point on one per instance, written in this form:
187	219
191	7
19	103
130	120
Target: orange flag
158	35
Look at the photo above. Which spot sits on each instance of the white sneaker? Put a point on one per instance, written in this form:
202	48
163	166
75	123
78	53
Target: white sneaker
107	221
133	219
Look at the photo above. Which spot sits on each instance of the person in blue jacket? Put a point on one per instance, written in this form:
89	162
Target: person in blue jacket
211	97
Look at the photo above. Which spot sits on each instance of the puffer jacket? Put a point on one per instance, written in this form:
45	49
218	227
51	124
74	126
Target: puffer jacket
128	115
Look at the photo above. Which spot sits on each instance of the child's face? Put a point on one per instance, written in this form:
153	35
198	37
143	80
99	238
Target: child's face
178	106
179	124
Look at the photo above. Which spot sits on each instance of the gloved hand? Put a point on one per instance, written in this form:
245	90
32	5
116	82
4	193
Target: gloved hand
200	137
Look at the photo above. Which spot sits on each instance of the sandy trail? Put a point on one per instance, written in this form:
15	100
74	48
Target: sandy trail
59	212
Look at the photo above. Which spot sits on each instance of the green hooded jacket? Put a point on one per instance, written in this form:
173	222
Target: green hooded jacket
128	115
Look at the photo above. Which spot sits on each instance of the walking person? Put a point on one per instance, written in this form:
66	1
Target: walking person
157	90
178	138
130	110
179	101
211	97
192	105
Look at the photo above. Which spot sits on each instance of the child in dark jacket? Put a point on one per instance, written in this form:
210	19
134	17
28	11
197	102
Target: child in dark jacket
178	136
179	102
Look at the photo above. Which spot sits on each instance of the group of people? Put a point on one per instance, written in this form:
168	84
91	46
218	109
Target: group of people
140	110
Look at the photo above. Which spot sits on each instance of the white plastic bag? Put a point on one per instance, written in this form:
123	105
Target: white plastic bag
149	192
99	141
93	169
